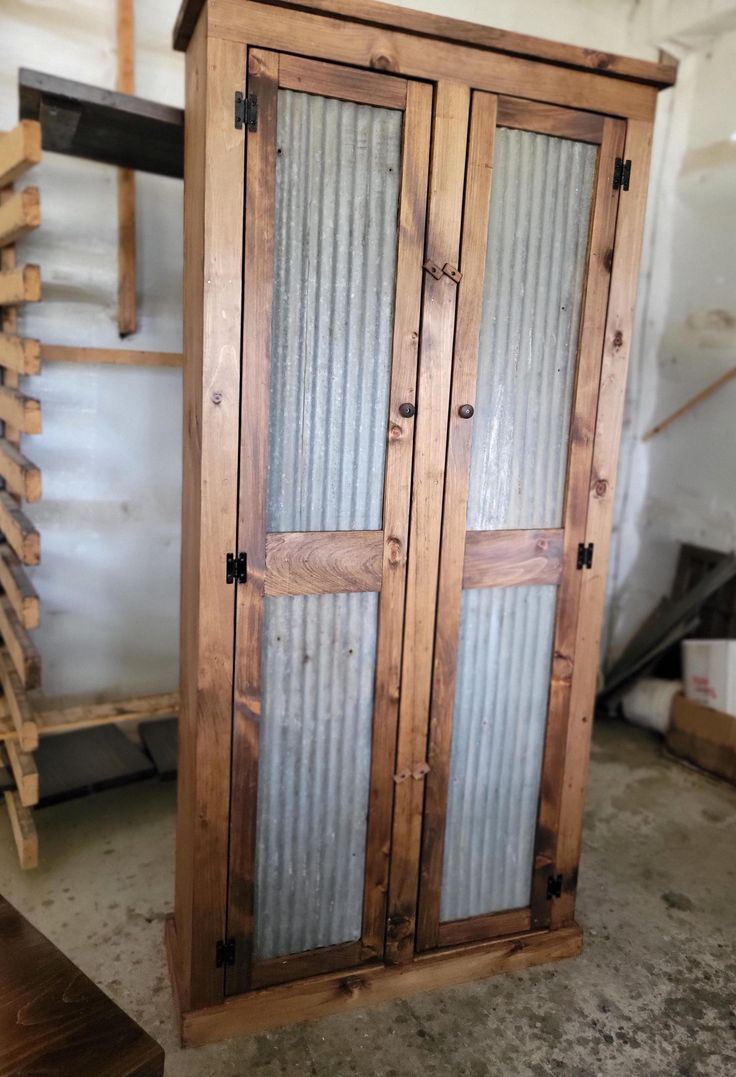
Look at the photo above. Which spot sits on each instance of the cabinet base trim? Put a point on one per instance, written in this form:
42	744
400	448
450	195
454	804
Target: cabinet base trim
320	996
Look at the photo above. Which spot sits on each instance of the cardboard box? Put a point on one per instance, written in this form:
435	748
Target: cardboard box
703	736
709	672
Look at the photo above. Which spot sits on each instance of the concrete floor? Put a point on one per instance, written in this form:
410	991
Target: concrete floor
653	994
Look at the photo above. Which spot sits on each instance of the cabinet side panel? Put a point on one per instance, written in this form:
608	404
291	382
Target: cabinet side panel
214	160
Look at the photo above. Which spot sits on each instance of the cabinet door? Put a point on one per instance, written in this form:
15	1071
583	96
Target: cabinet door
337	173
538	230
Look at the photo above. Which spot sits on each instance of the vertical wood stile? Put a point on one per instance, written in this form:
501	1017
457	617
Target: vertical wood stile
127	314
452	102
469	311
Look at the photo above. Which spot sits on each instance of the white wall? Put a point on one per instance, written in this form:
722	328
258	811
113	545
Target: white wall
111	446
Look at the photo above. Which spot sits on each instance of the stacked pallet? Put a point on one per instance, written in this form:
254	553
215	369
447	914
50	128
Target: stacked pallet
20	662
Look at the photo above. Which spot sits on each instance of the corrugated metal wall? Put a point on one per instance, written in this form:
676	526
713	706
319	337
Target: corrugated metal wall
503	675
338	178
537	245
314	771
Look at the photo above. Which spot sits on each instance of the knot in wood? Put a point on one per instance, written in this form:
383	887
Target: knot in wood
601	487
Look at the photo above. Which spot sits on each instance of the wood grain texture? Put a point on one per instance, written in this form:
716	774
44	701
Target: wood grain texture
25	773
323	562
19	215
512	558
21	411
26	844
476	928
21	476
20	149
425	58
54	1020
19	710
18	531
20	285
212	298
601	492
347	84
19	355
453	513
127	313
597	281
53	718
448	29
343	992
18	588
451	109
263	77
550	119
20	646
279	970
63	353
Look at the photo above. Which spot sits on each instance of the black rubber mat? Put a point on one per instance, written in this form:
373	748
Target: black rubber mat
160	741
74	764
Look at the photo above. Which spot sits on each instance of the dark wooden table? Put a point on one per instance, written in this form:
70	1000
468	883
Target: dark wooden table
54	1021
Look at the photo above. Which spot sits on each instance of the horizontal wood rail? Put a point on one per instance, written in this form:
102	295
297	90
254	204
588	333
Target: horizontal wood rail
512	558
64	719
21	285
18	589
550	119
20	149
21	476
65	353
18	531
323	562
19	355
20	646
19	215
20	411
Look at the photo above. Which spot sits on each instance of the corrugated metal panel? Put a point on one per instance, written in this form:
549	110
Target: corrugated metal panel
338	176
504	659
318	673
537	244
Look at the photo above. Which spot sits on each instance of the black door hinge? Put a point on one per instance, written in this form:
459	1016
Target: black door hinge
621	174
585	555
246	111
225	954
236	568
554	887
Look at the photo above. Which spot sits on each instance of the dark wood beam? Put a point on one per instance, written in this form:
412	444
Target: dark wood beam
102	125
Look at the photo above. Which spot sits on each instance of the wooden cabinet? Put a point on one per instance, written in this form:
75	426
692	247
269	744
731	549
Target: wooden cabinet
411	254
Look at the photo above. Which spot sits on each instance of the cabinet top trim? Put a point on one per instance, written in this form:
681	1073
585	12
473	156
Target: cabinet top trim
440	27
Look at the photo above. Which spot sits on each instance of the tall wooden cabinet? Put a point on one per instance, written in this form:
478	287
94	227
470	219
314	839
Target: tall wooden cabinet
411	253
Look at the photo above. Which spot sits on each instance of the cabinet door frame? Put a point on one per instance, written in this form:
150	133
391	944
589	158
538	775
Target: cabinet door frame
502	558
320	562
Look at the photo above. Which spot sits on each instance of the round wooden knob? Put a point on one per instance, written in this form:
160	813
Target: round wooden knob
407	410
465	411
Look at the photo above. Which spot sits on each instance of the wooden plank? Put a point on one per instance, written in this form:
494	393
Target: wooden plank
18	531
21	285
213	288
8	317
449	29
279	970
260	197
347	84
510	558
425	58
21	476
20	646
20	355
444	644
127	315
67	718
20	149
54	1020
24	831
550	119
601	492
351	989
477	928
21	411
19	709
102	125
451	109
19	215
64	353
323	562
18	588
396	504
25	773
691	403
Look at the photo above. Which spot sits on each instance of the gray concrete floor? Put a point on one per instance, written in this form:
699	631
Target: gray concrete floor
653	994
